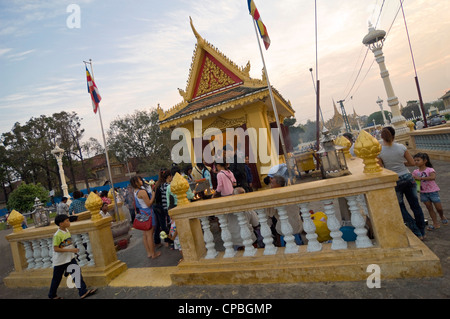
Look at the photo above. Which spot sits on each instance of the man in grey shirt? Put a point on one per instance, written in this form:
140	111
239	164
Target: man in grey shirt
62	207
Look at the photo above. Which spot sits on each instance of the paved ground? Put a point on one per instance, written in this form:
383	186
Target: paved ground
134	256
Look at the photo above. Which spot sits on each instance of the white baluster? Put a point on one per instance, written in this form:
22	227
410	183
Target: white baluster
37	253
361	199
90	256
82	261
266	233
209	239
286	229
310	229
50	249
334	226
226	237
246	235
29	254
362	240
46	261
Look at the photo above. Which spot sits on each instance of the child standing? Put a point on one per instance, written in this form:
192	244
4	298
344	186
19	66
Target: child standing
429	190
63	257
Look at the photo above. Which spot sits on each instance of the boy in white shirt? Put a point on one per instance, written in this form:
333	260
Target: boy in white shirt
64	256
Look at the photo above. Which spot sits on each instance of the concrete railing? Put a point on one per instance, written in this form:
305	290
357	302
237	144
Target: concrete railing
370	199
435	141
32	250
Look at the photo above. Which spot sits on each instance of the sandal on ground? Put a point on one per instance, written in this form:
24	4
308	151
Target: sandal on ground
89	293
431	227
444	222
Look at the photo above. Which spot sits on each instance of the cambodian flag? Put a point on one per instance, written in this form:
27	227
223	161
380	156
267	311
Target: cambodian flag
261	27
93	91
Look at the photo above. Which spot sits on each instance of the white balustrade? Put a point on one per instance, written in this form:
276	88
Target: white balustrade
37	254
78	241
286	229
310	228
362	240
50	251
209	239
246	235
361	200
266	233
46	260
88	251
29	254
334	226
226	237
357	207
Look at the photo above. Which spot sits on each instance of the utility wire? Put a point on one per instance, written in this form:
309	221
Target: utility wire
360	52
373	61
365	56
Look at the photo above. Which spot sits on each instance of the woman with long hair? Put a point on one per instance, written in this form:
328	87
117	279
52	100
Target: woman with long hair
144	202
395	157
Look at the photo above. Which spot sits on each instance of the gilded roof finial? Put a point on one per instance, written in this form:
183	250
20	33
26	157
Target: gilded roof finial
197	35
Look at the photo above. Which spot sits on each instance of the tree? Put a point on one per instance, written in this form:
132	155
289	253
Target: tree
70	134
378	117
138	136
310	132
92	147
22	198
294	131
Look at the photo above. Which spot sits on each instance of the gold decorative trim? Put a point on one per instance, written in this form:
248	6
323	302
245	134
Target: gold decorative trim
212	78
223	123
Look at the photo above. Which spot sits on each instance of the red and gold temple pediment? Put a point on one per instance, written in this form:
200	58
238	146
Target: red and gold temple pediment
216	84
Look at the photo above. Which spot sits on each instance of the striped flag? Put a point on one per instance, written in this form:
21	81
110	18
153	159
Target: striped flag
93	91
261	27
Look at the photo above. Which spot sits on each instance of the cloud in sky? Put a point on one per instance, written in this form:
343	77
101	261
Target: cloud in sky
142	52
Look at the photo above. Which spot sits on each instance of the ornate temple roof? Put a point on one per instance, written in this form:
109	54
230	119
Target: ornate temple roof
216	84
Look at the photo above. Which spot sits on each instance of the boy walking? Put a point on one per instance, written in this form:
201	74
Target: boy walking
63	257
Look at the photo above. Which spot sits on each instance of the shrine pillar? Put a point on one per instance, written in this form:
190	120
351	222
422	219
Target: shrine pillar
265	154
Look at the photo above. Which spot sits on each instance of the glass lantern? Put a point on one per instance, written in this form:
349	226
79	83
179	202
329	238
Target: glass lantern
41	216
332	157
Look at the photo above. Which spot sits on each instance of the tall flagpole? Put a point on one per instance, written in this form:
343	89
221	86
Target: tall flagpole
116	209
273	103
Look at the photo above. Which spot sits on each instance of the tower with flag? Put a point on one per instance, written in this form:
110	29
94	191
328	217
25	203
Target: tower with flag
259	26
93	91
96	98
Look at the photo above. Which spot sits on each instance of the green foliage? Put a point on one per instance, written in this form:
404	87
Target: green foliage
138	135
295	132
378	117
22	198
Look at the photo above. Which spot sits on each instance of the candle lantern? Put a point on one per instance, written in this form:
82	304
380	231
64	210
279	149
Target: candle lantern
40	214
332	157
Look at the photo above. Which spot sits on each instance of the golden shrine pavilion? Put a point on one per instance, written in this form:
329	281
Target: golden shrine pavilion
223	95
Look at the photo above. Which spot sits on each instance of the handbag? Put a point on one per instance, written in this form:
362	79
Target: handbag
142	222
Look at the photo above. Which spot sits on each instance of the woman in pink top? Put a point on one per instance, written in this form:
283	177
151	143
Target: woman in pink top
429	190
225	180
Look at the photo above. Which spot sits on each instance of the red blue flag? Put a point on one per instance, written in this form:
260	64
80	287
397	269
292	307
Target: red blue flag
93	91
261	27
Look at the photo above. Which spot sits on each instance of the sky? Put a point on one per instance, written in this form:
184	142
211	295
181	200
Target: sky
142	52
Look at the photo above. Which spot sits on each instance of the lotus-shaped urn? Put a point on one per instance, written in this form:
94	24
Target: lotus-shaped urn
93	204
179	186
368	148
